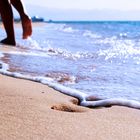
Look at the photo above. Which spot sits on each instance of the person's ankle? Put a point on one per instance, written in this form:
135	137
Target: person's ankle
25	17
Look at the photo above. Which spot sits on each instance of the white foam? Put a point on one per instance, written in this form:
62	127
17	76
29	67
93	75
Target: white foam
28	43
68	54
77	94
47	52
120	49
91	34
65	28
68	30
1	55
29	53
123	35
4	66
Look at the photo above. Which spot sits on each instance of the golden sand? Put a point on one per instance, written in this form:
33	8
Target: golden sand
33	111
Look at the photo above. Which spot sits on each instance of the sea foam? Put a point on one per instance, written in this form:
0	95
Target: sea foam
81	96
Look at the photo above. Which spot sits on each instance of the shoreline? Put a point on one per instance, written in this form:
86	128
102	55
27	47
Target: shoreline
31	110
84	99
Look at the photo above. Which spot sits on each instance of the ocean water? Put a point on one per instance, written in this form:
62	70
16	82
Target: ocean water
98	58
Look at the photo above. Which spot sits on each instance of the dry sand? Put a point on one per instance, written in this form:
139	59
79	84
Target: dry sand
26	114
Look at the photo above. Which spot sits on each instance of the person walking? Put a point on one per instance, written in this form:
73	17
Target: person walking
7	18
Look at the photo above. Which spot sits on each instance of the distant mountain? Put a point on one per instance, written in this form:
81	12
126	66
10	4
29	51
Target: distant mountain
105	14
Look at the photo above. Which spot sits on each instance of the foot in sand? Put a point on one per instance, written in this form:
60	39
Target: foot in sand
8	41
27	27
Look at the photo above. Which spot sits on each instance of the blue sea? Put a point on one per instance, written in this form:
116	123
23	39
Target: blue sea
98	58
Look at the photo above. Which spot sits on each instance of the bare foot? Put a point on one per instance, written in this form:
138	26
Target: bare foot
8	41
27	27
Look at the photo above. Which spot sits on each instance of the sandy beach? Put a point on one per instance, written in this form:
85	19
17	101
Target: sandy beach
33	111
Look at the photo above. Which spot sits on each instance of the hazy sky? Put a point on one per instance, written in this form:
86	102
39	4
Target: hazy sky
85	9
88	4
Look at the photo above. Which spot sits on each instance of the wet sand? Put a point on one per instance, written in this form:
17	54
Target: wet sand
33	111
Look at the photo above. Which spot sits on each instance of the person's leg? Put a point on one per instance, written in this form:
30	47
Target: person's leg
26	21
7	18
